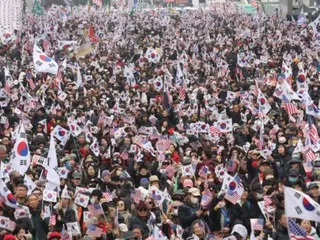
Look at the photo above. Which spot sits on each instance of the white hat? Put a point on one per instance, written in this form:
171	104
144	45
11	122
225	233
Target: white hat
240	229
123	227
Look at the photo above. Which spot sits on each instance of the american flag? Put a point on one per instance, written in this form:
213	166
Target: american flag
108	196
95	209
257	224
136	195
30	81
170	171
267	201
206	198
94	231
313	132
58	79
309	154
307	166
204	171
97	2
296	232
232	198
182	92
288	106
214	130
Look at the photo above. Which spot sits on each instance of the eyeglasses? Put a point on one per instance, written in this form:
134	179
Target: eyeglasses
143	210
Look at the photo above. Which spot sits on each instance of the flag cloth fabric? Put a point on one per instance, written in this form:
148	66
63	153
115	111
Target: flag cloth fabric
52	160
49	195
82	200
42	62
95	209
6	196
206	198
94	147
257	224
158	234
65	193
264	106
311	108
37	9
79	79
44	125
73	228
21	153
29	183
214	130
22	213
74	128
235	190
170	171
4	222
30	81
288	106
296	232
299	205
94	231
136	195
313	133
63	172
299	147
224	126
61	133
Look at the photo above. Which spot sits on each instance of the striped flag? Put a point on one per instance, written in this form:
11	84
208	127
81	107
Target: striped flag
94	231
182	92
136	195
97	2
309	155
95	209
214	130
108	196
288	106
170	171
58	79
30	81
206	198
296	232
267	201
307	166
204	171
313	132
257	224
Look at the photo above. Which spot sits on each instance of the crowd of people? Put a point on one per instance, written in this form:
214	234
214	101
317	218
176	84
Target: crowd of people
153	117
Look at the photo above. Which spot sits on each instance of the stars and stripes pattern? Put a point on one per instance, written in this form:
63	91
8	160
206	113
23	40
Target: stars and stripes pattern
288	106
309	154
206	198
136	195
170	171
257	224
182	92
296	232
313	132
30	81
95	209
204	171
214	130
